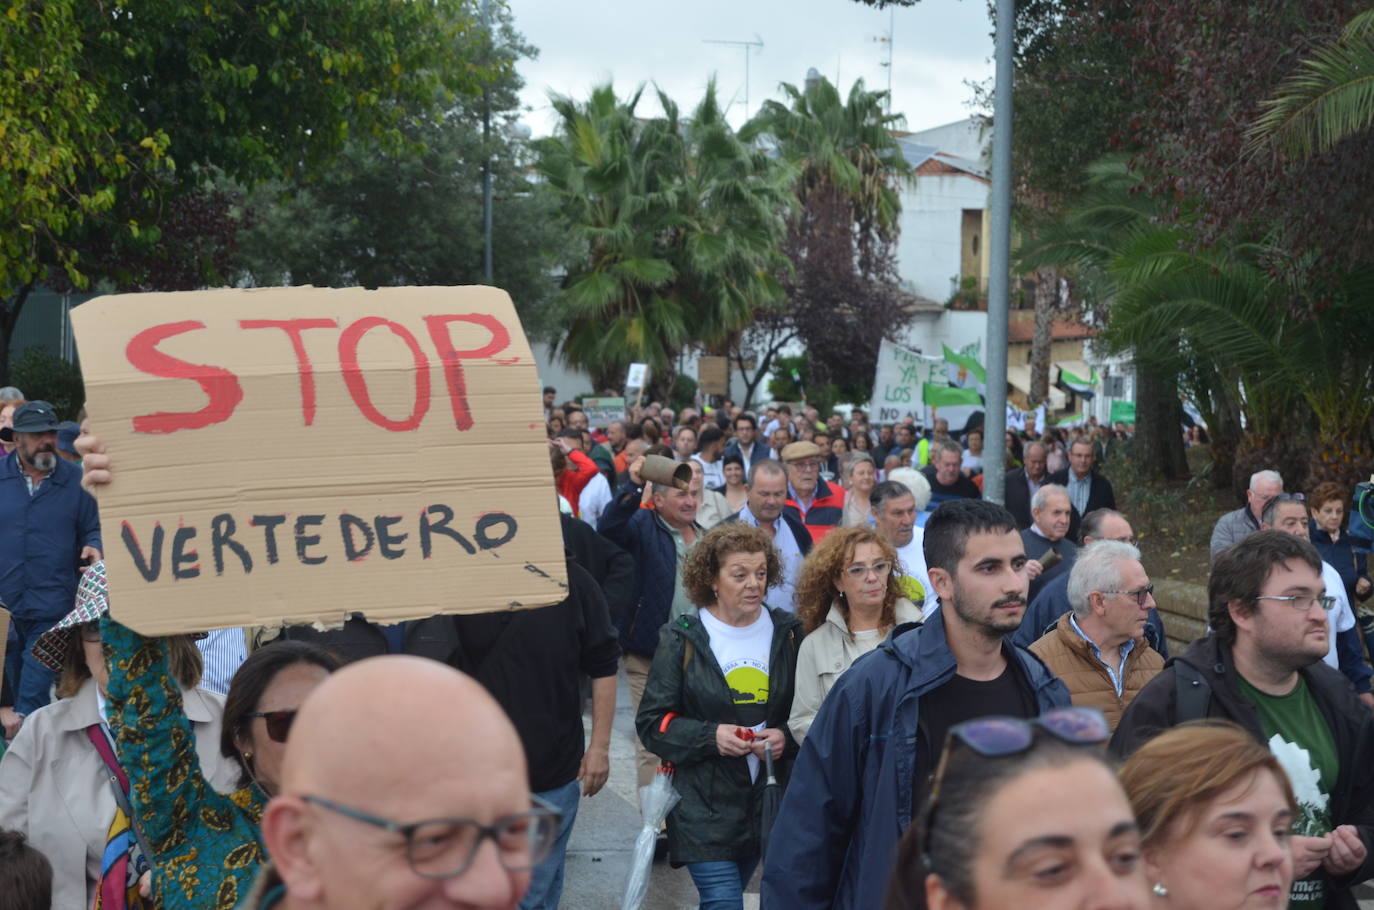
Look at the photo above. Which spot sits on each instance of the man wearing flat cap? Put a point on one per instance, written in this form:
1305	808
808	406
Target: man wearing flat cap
810	500
49	530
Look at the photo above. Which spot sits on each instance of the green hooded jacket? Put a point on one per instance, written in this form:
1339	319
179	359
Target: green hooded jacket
719	815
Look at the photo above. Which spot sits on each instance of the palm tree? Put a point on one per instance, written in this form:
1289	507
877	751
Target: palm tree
842	293
1227	326
1329	98
843	150
680	223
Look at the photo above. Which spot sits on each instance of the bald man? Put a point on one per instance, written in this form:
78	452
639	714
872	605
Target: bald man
343	832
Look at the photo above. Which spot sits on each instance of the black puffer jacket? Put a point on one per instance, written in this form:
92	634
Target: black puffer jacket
718	818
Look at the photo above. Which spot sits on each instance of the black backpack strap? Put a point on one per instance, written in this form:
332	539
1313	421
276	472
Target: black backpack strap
1192	693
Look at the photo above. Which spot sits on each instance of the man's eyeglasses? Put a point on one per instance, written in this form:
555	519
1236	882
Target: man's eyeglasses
1302	602
439	848
1140	594
859	572
805	465
278	723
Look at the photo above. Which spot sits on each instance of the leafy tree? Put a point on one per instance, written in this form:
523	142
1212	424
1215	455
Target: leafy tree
1327	100
1210	65
1240	341
377	215
677	222
109	111
842	294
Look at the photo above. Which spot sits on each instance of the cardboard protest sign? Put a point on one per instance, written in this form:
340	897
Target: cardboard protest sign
635	376
713	375
602	411
299	454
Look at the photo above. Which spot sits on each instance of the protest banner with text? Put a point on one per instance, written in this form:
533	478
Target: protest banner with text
899	382
301	454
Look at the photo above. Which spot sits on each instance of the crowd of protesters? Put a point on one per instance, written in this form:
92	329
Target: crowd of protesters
963	704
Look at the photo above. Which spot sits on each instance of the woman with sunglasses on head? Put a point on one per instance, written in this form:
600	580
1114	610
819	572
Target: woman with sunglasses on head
849	598
55	781
206	846
724	676
1216	814
1023	814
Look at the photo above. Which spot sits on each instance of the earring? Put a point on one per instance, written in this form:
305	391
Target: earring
1159	890
248	756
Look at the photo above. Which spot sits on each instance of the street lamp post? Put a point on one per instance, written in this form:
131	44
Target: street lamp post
995	417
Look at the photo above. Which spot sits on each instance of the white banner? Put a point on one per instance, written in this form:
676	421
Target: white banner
897	384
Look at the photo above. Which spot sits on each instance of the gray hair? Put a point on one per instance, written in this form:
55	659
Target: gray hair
766	466
914	481
885	492
853	459
946	445
1255	478
1098	568
10	393
1271	508
1091	526
1045	492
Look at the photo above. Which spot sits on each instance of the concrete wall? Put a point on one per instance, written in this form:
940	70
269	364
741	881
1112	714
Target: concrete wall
929	246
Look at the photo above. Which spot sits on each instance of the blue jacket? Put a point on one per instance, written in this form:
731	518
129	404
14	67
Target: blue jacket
639	532
1342	556
850	796
761	451
1053	602
41	537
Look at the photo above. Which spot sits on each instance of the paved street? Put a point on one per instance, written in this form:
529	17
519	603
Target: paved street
599	855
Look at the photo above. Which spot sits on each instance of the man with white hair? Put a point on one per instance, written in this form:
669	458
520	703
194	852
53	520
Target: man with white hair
1234	527
1098	648
1047	542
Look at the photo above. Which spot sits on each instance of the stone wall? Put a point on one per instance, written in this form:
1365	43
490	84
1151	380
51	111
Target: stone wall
1183	606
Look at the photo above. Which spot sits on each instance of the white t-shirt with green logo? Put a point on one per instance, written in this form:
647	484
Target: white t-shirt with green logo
743	654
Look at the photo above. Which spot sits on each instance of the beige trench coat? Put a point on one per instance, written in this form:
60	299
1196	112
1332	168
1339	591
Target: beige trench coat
54	787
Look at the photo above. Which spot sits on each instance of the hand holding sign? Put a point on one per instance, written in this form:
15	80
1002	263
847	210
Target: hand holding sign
334	462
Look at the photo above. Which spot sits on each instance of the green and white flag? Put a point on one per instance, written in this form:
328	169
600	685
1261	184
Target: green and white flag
956	405
1083	388
965	372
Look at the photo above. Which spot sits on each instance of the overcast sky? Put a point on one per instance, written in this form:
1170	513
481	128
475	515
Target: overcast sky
940	45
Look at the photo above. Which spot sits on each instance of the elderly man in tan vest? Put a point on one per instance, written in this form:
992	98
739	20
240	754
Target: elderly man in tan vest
1098	648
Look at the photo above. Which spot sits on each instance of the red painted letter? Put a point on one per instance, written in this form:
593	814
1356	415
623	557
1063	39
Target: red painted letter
219	384
453	360
357	386
293	329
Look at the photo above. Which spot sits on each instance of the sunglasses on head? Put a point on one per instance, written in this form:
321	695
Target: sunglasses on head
278	723
1000	737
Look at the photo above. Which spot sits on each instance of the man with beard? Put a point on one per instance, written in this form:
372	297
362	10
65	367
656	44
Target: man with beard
864	766
48	527
1261	667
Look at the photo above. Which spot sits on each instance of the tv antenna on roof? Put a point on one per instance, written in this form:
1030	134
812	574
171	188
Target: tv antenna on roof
746	46
888	39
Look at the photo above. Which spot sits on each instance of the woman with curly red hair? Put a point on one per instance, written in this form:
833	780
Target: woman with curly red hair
849	597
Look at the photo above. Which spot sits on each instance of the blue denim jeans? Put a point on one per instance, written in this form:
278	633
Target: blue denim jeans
28	681
721	884
546	884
